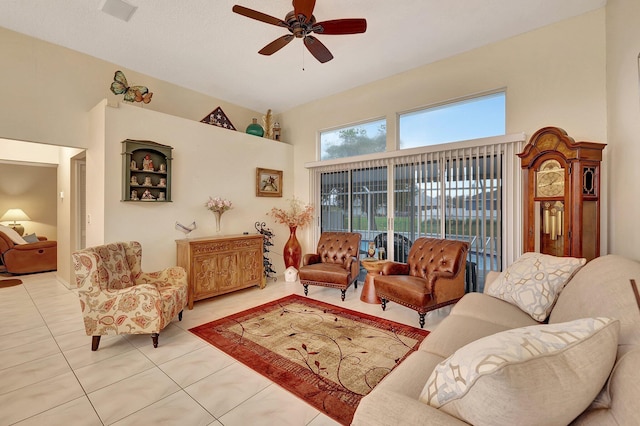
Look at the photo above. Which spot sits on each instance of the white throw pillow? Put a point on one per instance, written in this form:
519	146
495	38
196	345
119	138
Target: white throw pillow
13	235
542	374
534	281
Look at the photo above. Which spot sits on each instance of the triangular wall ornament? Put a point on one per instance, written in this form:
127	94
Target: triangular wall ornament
217	117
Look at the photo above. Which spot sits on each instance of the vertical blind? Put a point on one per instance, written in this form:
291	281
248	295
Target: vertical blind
469	191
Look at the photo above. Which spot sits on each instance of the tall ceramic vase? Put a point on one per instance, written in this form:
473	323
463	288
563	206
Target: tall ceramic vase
292	250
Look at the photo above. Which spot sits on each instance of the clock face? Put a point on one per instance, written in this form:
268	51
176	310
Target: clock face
550	180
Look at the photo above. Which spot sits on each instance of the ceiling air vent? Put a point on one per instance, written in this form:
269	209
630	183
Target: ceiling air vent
118	9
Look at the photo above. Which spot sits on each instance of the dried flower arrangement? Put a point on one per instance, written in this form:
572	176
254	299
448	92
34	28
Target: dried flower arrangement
298	214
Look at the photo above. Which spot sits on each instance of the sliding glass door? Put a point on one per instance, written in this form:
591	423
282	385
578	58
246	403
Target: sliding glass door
454	194
355	201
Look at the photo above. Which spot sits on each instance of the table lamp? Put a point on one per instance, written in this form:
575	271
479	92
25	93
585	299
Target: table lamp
14	215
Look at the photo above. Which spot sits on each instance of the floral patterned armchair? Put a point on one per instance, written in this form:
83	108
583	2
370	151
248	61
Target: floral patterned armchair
118	298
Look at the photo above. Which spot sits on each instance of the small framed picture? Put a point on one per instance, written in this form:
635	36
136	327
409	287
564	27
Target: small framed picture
268	183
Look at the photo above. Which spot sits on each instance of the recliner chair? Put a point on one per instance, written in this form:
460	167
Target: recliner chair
40	256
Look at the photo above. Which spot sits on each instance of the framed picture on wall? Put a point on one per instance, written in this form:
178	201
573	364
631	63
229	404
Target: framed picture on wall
268	183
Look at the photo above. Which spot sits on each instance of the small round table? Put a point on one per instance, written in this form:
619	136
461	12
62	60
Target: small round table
373	267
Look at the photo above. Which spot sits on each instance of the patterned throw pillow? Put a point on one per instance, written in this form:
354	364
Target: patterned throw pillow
534	281
541	374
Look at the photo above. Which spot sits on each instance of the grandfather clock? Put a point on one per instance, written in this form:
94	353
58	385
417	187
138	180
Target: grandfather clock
562	194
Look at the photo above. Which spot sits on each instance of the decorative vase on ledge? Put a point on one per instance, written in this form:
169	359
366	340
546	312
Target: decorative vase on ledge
292	252
254	128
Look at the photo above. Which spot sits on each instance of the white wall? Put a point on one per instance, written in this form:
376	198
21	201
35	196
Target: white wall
554	76
623	47
27	152
63	204
207	161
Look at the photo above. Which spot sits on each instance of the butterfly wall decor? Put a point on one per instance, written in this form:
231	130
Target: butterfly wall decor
131	94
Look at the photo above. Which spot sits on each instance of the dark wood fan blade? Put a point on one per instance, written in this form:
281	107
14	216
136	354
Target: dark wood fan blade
304	7
317	49
341	26
258	16
276	45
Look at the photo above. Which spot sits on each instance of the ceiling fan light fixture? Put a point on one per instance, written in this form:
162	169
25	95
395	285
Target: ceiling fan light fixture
118	9
301	23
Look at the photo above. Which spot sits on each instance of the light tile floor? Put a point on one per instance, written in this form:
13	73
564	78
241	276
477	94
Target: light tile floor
49	375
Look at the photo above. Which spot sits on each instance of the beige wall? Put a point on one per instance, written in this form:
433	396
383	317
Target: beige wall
49	100
553	76
32	188
566	74
623	47
48	91
207	161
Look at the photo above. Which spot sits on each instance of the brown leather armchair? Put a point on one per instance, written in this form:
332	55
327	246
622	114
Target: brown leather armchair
335	264
434	276
41	256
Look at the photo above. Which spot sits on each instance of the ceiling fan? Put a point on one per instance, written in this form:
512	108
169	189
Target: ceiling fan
301	23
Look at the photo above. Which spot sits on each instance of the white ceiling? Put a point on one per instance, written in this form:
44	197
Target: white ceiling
204	46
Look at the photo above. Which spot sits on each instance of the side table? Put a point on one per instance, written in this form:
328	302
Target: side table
373	267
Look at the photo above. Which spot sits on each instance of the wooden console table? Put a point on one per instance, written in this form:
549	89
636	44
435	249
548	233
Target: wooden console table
219	265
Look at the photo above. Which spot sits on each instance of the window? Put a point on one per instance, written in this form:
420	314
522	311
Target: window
473	118
365	138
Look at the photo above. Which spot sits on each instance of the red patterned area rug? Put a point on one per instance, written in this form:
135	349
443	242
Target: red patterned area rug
329	356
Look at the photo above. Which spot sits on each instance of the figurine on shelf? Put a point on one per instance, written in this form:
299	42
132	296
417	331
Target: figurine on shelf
147	163
147	181
163	168
134	180
382	253
371	253
134	166
276	131
163	182
147	195
134	195
161	197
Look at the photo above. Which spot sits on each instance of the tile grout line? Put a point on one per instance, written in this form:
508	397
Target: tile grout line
66	361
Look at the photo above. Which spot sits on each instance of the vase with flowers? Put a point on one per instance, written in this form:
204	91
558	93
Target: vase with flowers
297	216
218	206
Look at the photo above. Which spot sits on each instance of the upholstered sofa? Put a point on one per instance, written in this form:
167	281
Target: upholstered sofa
594	380
22	257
